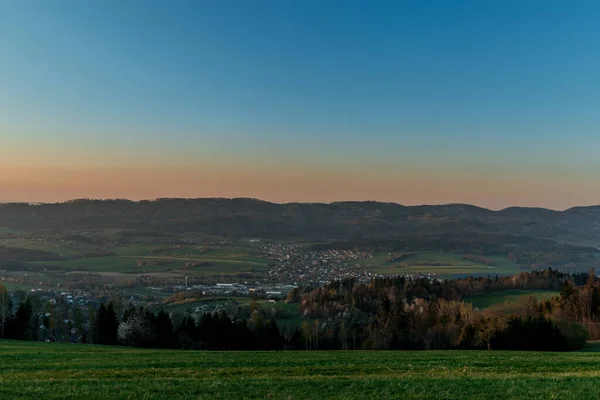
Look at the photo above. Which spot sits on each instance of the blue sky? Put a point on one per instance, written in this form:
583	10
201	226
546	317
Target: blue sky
471	87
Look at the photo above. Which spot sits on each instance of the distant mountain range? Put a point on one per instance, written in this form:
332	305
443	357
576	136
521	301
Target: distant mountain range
310	221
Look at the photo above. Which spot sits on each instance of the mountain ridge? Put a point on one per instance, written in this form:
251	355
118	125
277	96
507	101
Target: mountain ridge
243	217
254	199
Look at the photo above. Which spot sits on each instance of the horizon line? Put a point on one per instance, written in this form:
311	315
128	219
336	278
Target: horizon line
107	199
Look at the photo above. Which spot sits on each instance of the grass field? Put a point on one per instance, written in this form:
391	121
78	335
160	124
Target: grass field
508	298
441	263
231	260
97	264
227	261
52	371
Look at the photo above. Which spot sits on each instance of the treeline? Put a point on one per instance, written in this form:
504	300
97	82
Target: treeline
330	300
20	325
400	313
139	327
443	325
26	317
386	313
580	304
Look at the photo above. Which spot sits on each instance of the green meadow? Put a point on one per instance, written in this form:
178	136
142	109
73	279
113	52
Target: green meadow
440	263
226	261
509	299
233	260
58	371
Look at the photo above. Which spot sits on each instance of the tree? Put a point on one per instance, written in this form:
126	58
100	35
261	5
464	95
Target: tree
133	332
307	333
100	325
254	305
23	326
275	340
49	321
5	307
188	333
100	336
532	307
91	333
78	319
111	325
316	328
106	325
165	337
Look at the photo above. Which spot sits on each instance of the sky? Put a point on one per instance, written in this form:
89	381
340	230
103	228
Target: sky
493	103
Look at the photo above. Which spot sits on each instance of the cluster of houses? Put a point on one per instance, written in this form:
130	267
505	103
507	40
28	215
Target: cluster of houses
278	251
296	265
276	292
317	267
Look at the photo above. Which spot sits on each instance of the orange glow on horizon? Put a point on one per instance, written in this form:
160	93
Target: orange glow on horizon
39	184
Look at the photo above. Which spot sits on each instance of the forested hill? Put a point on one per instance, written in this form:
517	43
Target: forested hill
340	220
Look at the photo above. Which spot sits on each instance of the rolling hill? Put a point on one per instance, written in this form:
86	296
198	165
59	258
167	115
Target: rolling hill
315	221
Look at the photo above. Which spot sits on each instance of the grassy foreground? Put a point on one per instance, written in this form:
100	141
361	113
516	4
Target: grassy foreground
49	371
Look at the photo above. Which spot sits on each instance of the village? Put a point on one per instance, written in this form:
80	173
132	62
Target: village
290	266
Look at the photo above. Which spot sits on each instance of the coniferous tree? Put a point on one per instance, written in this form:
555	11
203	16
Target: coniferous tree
111	325
23	326
188	333
100	336
165	337
5	310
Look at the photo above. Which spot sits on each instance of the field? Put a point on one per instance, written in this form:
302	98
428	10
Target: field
141	256
51	371
225	262
441	263
221	262
509	300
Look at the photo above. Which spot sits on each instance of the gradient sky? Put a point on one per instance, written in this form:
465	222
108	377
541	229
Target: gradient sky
495	103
